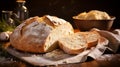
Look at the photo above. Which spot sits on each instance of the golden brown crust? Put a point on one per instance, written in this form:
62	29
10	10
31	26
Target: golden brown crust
23	38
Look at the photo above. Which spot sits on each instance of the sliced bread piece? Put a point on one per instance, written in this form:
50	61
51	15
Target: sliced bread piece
92	38
79	41
73	44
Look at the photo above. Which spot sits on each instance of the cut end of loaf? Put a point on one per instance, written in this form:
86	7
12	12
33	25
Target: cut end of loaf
56	34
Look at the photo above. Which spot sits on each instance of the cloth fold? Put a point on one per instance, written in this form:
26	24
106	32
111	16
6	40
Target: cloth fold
99	49
109	40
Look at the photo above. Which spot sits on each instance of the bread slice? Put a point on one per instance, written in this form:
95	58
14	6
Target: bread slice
40	34
78	42
73	44
91	37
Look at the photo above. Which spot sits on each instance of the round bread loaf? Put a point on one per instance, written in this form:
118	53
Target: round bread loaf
40	34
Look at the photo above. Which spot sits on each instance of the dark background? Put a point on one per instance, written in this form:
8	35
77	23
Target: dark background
66	8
